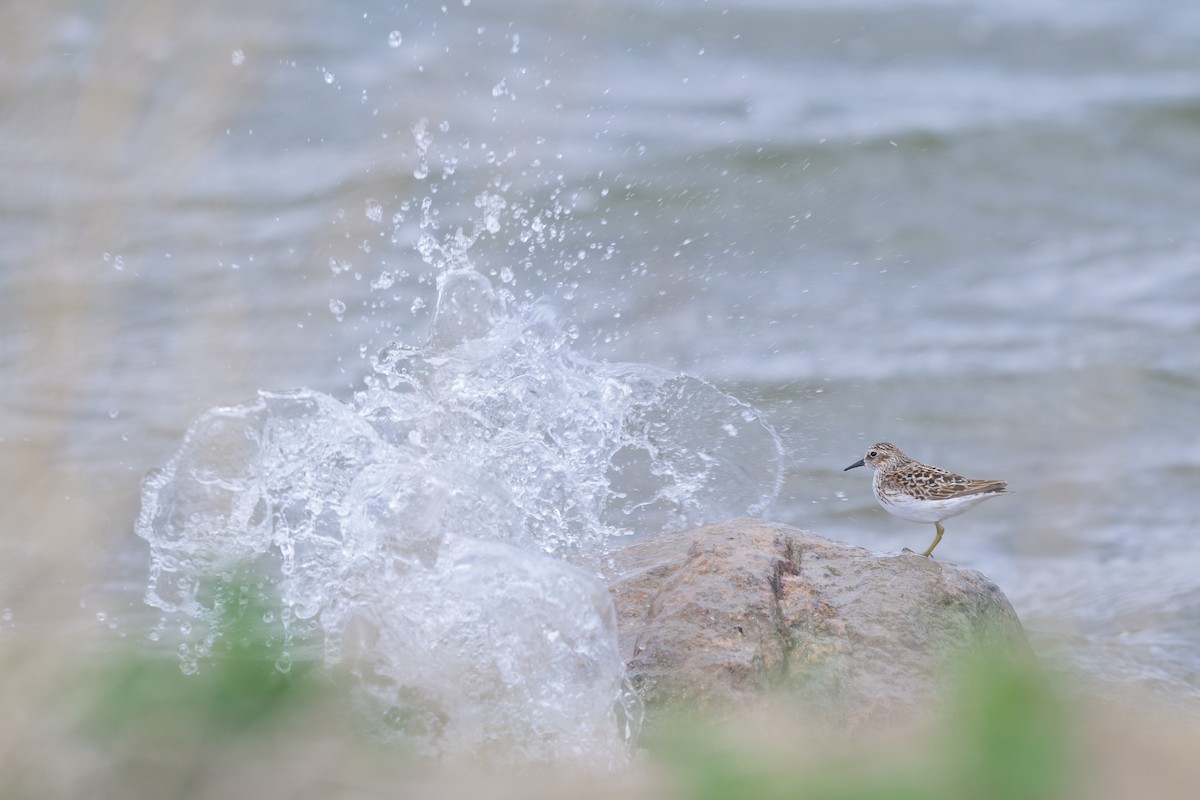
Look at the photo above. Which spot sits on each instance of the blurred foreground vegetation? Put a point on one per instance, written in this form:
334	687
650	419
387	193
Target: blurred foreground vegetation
131	725
1005	737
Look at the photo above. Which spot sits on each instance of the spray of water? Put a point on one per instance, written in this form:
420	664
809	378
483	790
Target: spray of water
439	534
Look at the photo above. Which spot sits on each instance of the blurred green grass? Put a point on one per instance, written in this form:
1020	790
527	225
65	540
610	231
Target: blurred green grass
149	730
130	724
155	731
1004	736
238	690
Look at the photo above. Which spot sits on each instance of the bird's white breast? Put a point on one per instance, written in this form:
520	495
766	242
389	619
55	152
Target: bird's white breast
909	508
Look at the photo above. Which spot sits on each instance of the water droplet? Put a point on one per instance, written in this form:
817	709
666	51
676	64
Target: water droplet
284	662
328	77
337	308
374	210
423	139
238	58
114	413
394	39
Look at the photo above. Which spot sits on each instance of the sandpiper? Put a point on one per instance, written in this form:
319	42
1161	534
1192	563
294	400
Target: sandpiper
921	493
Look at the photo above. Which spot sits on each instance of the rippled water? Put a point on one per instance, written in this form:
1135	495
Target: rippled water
965	227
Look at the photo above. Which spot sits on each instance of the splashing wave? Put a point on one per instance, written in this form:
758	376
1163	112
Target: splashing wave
441	532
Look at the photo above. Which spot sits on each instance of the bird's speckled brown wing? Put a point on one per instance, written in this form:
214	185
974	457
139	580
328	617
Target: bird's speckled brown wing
931	483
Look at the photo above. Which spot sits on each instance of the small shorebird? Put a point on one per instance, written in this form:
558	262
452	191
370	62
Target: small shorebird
921	493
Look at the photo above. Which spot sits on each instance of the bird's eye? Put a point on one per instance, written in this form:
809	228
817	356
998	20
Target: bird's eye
873	454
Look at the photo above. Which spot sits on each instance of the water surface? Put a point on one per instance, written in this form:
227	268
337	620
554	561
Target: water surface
964	227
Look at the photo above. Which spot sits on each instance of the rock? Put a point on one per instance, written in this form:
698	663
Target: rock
716	617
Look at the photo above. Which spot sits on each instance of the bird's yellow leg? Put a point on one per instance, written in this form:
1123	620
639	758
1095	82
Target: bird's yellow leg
936	539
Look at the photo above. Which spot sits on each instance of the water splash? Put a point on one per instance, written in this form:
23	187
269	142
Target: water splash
443	530
439	535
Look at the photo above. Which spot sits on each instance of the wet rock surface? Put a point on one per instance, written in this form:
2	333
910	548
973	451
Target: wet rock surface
732	614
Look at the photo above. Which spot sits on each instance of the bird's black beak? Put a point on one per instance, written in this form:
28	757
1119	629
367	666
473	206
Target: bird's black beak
858	463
